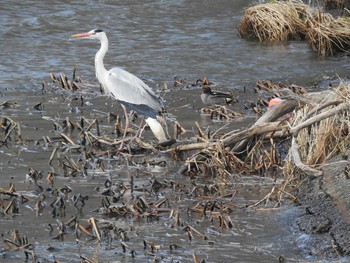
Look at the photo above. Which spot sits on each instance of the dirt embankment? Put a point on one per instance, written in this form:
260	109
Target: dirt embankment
326	219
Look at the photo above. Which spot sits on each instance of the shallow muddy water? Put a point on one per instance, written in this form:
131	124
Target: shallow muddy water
156	40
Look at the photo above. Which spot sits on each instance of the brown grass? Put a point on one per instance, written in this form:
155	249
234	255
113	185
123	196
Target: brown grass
277	21
320	142
293	20
328	36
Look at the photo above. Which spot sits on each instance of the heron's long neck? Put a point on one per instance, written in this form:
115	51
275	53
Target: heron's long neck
101	71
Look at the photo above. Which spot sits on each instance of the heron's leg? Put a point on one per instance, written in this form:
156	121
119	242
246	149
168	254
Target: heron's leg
140	129
125	128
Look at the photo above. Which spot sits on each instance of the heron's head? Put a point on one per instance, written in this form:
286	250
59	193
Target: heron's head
93	34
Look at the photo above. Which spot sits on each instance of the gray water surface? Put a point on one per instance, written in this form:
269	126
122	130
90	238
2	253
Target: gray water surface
150	38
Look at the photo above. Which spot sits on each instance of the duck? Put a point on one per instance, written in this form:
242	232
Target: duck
212	97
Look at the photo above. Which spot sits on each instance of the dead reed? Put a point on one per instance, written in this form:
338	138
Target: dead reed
293	20
327	35
276	21
324	133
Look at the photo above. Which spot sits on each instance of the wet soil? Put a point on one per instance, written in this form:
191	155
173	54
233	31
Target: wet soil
325	221
54	183
145	209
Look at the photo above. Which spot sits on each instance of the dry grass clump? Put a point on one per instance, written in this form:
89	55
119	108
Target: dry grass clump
327	35
290	20
329	137
277	21
325	139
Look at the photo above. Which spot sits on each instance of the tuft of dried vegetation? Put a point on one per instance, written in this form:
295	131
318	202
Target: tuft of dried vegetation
276	21
10	131
293	20
320	132
327	35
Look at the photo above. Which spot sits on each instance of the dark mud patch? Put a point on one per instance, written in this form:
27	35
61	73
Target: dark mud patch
326	217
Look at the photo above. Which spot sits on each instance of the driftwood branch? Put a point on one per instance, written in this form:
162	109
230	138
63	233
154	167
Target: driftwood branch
253	131
263	126
298	162
271	115
340	108
235	138
194	146
278	111
321	107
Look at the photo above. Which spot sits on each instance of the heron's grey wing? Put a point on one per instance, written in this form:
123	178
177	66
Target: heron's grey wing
129	89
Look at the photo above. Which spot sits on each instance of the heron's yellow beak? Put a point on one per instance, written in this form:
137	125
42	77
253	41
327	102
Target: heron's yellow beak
81	35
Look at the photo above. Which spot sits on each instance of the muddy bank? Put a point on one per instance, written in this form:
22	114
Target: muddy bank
325	220
161	214
65	197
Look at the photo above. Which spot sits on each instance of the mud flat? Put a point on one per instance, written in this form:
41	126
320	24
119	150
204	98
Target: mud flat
326	218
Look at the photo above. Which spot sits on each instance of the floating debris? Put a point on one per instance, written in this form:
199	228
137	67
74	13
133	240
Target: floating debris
19	243
268	91
10	131
221	113
8	104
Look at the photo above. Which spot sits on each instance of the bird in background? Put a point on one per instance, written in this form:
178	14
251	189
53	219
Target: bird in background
128	89
213	97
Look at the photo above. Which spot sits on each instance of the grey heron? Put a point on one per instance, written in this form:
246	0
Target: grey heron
125	87
211	97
